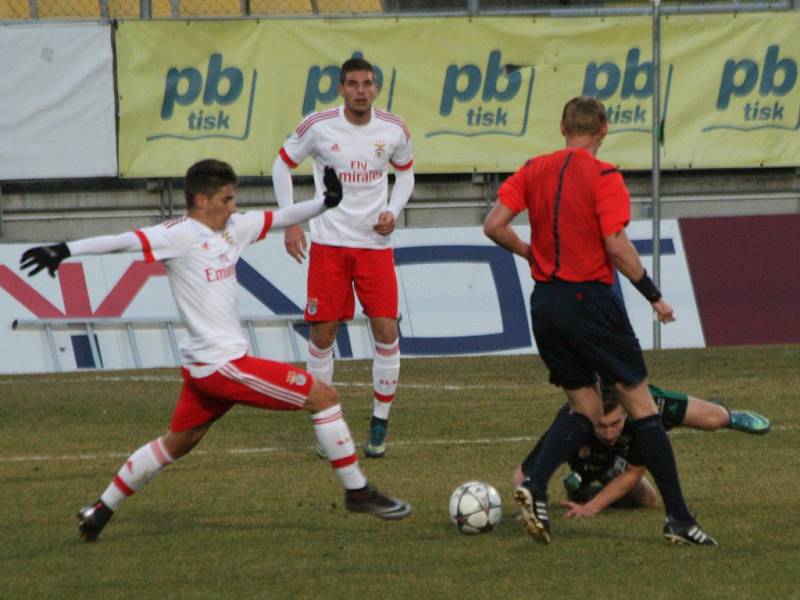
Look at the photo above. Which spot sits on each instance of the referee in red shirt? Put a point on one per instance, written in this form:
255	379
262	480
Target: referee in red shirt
578	208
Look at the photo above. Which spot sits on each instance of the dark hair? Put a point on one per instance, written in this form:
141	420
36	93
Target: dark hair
354	64
207	177
583	115
610	398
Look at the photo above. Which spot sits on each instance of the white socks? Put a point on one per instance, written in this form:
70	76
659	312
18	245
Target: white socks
385	372
320	363
141	468
334	438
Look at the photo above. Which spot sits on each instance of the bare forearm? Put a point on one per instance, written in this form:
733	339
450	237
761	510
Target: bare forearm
497	227
506	237
616	489
624	255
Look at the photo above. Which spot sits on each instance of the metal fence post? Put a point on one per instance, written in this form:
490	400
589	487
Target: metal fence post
656	167
145	9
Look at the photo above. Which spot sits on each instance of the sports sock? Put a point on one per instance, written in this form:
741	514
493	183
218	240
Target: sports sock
656	451
320	362
141	467
334	438
563	439
385	372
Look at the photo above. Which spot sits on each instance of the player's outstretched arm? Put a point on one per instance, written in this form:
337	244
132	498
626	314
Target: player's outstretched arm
616	489
50	257
303	211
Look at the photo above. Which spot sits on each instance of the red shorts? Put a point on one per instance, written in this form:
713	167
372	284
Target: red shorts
248	380
335	270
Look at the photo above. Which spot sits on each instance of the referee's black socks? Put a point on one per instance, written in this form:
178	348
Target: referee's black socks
562	441
656	451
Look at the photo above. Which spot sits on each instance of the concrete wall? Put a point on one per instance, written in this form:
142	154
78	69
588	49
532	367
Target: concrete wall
44	211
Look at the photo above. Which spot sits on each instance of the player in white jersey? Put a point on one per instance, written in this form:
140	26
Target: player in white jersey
351	244
200	252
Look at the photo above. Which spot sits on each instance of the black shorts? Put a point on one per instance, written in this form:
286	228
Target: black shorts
582	331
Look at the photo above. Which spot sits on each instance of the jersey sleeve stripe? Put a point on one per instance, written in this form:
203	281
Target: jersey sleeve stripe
390	118
285	156
404	167
267	225
316	117
146	249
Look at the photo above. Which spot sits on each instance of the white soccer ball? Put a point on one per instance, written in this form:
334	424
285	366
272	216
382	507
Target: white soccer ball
475	507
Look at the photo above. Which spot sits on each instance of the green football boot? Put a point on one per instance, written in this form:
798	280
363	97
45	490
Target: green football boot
749	422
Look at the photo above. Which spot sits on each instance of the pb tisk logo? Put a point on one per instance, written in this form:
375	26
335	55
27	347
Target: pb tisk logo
217	106
499	110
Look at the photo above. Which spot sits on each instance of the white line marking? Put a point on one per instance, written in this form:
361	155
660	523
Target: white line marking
272	449
338	384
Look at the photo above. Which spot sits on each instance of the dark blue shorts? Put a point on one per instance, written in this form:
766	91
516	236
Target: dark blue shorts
582	332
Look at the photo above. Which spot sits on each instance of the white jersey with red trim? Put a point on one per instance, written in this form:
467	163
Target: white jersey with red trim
201	268
361	155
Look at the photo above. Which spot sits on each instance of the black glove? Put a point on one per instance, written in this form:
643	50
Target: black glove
41	257
333	188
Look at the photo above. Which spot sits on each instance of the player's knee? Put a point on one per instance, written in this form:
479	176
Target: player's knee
323	334
719	418
180	444
322	396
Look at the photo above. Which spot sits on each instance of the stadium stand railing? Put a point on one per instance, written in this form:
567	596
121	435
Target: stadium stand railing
118	9
90	327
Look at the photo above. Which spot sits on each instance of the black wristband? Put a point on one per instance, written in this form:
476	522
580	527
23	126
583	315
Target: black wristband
647	288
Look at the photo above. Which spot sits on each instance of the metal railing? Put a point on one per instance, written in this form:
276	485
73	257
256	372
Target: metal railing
149	9
169	325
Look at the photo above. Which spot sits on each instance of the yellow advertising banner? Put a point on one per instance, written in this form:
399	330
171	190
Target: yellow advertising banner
237	89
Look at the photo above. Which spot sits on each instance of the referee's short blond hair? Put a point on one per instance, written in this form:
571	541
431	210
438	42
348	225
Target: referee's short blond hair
583	115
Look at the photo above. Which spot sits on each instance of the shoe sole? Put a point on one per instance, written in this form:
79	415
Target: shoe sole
677	540
534	526
401	512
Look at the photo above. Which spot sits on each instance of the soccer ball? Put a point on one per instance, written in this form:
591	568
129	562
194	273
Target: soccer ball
475	507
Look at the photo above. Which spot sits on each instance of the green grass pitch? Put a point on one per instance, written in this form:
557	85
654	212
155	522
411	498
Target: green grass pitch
252	513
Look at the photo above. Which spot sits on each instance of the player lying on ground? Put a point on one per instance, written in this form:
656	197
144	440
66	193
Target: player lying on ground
200	252
608	471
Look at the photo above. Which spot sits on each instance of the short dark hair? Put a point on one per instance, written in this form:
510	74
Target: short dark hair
207	177
354	64
584	115
610	398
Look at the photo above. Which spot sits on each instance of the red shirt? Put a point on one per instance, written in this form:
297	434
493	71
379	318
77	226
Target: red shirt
573	202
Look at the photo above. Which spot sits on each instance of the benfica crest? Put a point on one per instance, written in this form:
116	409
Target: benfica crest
311	307
380	148
295	378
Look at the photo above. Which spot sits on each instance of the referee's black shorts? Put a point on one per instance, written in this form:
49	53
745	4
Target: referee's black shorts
582	331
